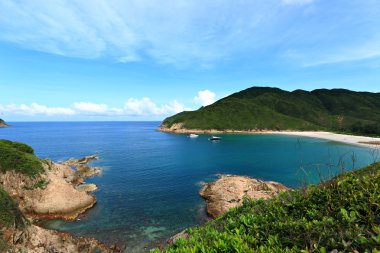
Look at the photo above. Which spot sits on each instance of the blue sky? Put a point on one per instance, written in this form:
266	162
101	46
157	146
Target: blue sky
145	60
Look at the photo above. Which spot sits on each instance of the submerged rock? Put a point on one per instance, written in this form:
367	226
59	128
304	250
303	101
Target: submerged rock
183	234
87	171
86	187
82	161
229	190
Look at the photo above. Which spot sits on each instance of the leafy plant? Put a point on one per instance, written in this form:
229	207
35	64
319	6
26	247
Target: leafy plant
20	158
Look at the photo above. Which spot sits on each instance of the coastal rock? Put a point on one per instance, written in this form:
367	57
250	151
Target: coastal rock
86	187
51	195
87	171
81	161
228	192
34	239
183	234
3	124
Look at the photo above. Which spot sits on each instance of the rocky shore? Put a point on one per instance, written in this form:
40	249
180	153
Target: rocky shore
3	124
58	193
229	190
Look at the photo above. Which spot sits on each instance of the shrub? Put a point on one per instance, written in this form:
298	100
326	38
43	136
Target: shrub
20	158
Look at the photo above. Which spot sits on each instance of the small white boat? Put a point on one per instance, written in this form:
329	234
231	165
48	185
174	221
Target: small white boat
215	138
193	135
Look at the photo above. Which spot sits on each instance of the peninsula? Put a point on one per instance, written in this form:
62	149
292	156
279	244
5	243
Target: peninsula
31	189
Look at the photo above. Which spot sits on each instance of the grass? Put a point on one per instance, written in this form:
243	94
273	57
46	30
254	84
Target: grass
266	108
10	216
20	158
340	215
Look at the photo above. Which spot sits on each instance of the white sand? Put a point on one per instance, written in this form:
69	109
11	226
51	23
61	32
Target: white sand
349	139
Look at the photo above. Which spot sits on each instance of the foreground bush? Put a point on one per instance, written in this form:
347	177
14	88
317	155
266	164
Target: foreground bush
20	158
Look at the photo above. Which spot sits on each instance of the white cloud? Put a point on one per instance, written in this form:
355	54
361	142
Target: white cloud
205	97
349	53
195	33
145	107
133	107
35	109
90	107
171	32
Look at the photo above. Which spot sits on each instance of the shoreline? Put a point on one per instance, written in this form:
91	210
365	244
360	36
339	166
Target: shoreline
364	141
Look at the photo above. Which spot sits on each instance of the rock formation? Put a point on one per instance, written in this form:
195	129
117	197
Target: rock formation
53	194
58	192
3	124
228	191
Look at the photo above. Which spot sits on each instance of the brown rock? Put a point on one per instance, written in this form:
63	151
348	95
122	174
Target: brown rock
228	191
57	199
34	239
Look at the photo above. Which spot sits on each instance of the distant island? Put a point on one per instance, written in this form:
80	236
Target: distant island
264	108
3	123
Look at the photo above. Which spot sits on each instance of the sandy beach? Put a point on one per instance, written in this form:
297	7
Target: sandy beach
345	138
372	142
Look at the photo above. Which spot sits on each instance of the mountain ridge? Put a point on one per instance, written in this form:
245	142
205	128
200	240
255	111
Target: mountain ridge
269	108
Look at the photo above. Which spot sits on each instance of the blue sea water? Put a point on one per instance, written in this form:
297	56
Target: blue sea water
149	187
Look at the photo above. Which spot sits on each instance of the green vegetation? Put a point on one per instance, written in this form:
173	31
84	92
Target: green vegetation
20	158
9	213
340	215
10	216
267	108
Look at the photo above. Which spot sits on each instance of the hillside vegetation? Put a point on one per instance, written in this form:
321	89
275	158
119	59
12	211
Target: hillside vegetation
20	158
340	215
267	108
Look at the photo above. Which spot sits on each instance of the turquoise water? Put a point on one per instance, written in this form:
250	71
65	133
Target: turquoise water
149	188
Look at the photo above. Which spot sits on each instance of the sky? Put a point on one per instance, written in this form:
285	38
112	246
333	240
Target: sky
138	60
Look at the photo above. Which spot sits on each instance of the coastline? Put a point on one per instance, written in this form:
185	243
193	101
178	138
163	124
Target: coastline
364	141
58	192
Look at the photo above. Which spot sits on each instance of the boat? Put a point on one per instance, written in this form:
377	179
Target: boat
193	135
215	138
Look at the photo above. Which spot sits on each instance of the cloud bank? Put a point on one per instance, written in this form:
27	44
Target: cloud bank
132	107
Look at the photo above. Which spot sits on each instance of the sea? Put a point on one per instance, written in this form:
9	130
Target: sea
149	186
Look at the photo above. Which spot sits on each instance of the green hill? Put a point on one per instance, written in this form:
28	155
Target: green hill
340	215
265	108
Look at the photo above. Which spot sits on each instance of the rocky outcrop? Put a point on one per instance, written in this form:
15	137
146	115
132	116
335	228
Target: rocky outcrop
81	161
34	239
229	190
183	234
53	194
3	124
58	192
